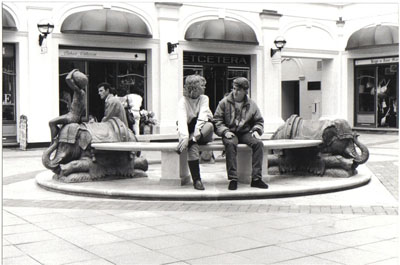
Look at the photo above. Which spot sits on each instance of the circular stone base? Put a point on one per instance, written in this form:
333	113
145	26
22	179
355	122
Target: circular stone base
215	181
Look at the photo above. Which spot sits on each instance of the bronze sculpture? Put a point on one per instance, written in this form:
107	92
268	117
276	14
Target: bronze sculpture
76	161
336	156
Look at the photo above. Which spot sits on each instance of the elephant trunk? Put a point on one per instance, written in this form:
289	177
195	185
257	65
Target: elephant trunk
361	159
51	164
350	152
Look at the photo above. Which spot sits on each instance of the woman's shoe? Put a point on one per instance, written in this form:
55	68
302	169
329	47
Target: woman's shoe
198	185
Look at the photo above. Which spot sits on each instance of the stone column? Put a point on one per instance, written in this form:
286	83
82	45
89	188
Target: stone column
42	78
170	65
333	85
342	64
272	79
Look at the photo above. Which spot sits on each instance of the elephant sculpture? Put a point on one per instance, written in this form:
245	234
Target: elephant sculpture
336	156
75	160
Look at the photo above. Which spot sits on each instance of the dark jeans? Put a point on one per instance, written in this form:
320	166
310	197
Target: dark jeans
231	154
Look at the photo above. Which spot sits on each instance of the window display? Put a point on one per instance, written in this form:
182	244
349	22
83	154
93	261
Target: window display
9	115
9	127
125	71
376	97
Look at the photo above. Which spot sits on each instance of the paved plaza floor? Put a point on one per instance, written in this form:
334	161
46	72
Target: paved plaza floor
356	226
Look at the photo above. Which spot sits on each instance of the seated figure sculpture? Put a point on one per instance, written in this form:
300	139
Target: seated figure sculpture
77	81
74	159
336	156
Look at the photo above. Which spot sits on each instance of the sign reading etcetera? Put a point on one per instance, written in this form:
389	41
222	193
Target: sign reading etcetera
377	61
96	54
210	58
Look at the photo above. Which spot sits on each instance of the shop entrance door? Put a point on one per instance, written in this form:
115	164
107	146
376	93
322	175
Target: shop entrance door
290	99
216	84
219	70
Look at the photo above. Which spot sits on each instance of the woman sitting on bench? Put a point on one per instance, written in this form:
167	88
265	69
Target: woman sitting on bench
194	124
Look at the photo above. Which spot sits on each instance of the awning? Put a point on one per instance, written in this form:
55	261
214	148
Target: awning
221	30
373	36
8	21
106	22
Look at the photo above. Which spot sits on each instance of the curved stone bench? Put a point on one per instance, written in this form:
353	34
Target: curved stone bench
174	168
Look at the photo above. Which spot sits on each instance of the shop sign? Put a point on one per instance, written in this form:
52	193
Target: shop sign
8	51
104	55
7	99
377	61
222	59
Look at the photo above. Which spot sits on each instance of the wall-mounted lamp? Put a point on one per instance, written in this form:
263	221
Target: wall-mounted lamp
340	22
45	27
279	43
171	46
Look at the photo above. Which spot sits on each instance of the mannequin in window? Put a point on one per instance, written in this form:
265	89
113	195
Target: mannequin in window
134	102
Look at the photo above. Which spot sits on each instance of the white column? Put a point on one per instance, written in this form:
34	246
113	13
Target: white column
330	101
343	74
272	79
334	83
43	95
170	65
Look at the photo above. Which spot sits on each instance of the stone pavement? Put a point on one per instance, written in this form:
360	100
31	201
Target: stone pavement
358	226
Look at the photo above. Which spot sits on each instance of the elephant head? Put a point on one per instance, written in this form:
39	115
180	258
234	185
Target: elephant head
340	140
70	145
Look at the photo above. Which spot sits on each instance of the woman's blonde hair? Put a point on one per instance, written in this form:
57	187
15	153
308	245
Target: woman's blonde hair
192	87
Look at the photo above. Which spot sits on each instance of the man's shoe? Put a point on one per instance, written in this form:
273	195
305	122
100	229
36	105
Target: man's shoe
259	184
232	185
198	185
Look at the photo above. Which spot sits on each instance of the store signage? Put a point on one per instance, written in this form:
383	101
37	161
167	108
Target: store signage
209	58
7	99
104	55
377	61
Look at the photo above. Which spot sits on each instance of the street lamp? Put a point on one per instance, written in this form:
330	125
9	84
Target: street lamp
45	27
171	46
279	42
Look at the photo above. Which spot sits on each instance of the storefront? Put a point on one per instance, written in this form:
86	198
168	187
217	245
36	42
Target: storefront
9	94
376	92
124	70
218	69
126	44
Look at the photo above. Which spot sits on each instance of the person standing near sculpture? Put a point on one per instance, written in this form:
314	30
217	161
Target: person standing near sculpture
113	106
194	124
237	120
77	81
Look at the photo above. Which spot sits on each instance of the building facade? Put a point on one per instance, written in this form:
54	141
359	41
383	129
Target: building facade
340	61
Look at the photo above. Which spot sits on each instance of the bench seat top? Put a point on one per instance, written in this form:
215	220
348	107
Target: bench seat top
215	146
170	137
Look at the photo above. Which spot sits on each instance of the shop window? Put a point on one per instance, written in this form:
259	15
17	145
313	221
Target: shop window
124	77
233	73
9	79
192	70
376	94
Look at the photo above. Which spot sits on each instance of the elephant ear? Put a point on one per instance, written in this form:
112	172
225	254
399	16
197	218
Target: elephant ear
344	129
329	135
84	138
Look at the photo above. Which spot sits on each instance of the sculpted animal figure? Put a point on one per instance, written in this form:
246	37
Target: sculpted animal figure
76	161
336	156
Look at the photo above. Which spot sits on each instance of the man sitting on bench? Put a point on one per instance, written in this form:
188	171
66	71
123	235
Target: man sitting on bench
238	120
